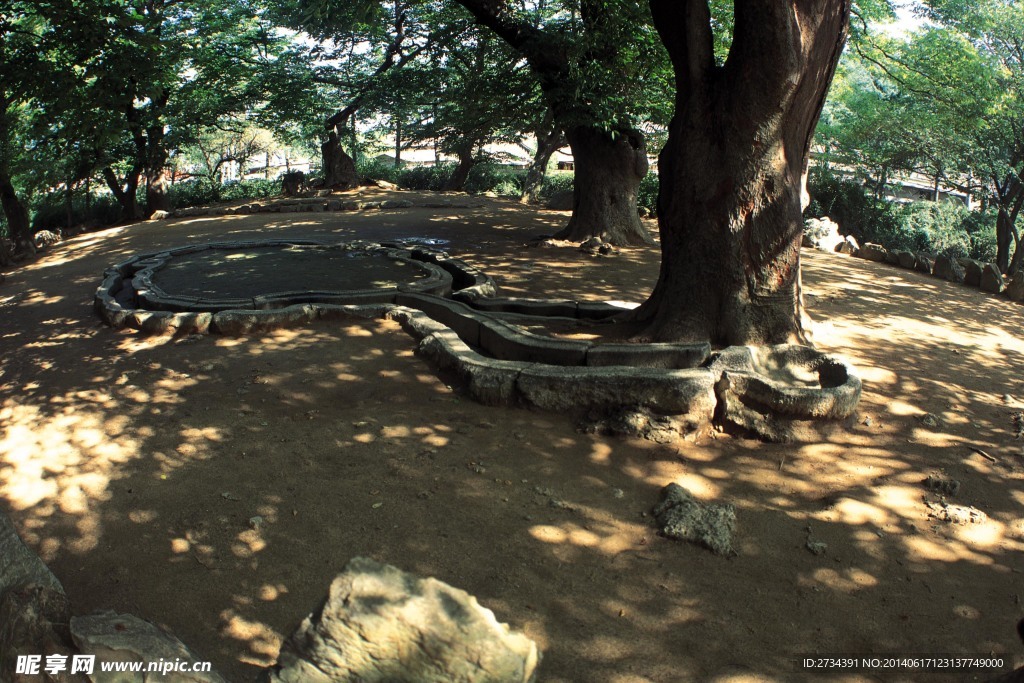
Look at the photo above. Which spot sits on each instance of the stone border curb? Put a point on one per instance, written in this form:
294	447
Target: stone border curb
500	363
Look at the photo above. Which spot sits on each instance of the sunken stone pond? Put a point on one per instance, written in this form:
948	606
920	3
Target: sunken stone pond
462	326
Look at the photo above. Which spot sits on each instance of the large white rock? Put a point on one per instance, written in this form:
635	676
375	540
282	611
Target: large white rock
380	624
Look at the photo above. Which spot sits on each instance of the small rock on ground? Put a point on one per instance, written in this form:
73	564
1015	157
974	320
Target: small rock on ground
683	518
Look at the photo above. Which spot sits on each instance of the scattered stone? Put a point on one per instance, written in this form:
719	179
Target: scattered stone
867	422
949	269
46	238
943	485
606	249
116	637
255	522
961	515
383	184
991	279
1015	288
681	517
816	547
323	193
395	204
848	246
160	215
873	252
591	244
618	494
930	420
380	624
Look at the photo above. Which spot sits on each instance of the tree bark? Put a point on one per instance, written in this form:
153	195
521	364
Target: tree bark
457	180
339	168
1009	197
18	226
549	139
157	198
605	183
729	205
126	196
608	171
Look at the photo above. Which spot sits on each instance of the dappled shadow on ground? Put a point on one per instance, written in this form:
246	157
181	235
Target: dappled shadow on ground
136	468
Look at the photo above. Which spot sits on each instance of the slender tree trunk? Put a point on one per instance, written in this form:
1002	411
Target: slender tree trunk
69	205
608	171
18	225
549	140
457	180
398	143
729	204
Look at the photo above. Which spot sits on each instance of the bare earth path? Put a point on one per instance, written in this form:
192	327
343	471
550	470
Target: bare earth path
134	466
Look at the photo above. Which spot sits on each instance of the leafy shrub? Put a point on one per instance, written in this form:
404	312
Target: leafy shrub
559	181
49	211
193	193
488	177
647	196
423	177
947	227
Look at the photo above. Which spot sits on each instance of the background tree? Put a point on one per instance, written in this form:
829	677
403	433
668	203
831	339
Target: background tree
591	58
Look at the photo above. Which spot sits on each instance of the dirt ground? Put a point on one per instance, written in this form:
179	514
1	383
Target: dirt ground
134	465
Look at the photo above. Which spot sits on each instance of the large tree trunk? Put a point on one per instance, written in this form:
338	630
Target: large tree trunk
729	201
126	196
608	171
457	180
339	168
157	198
18	226
549	139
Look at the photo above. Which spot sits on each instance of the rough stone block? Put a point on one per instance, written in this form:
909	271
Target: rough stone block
649	355
239	322
689	393
113	637
907	259
873	252
18	564
379	624
949	269
489	381
396	204
462	319
505	342
991	279
34	621
1015	288
924	263
525	306
972	272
